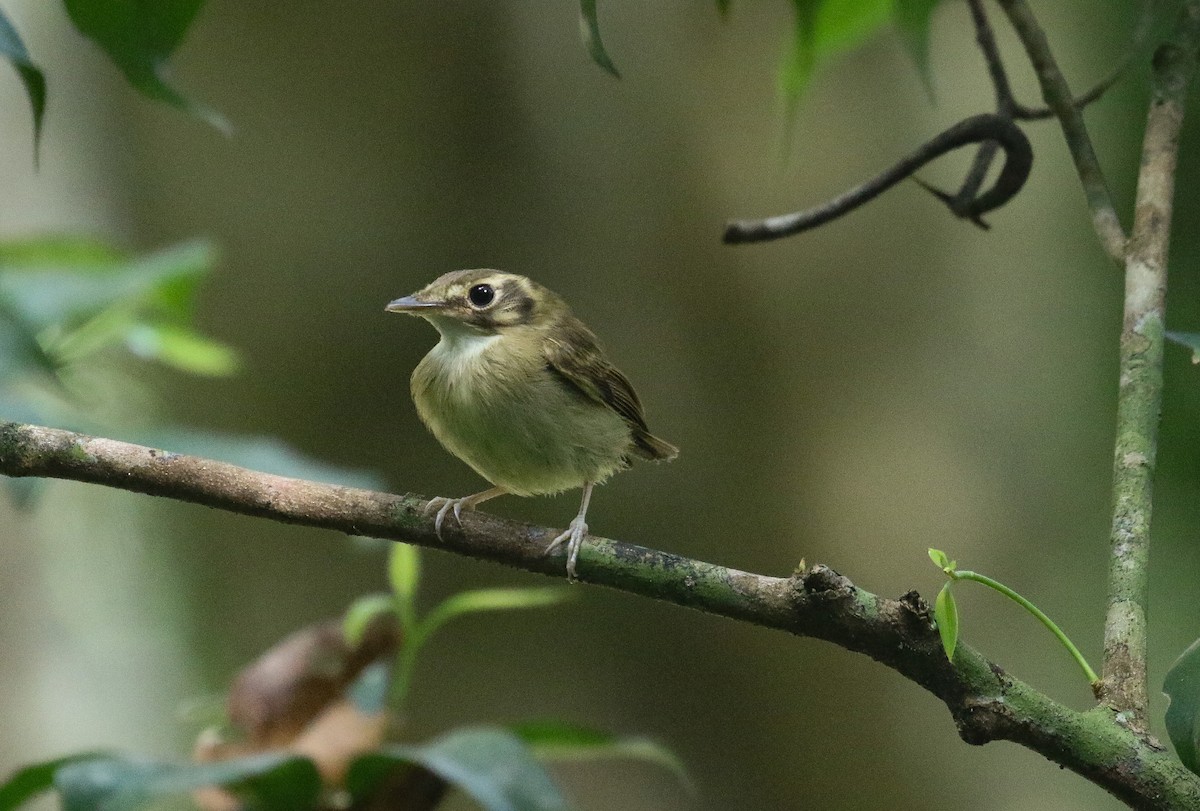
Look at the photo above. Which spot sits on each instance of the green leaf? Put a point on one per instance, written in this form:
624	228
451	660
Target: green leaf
480	600
13	49
945	611
913	19
801	56
183	349
140	36
467	602
29	781
824	29
404	575
1182	686
939	558
361	612
275	781
21	353
560	741
492	766
589	29
69	250
1189	339
55	281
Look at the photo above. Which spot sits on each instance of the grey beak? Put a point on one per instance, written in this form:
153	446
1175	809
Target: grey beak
409	304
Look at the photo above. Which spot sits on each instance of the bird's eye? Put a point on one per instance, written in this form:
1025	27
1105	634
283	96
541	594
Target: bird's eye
481	295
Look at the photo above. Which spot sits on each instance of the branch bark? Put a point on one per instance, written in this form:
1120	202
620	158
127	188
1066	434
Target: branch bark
987	704
1139	400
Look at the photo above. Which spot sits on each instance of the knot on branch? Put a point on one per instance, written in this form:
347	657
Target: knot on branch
821	579
982	720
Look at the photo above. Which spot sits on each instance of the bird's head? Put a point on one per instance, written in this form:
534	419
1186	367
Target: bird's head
486	302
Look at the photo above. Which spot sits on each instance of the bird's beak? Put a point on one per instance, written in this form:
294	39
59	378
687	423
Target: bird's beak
412	305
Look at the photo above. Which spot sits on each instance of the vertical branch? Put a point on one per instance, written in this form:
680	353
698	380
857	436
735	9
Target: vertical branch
1057	94
1140	395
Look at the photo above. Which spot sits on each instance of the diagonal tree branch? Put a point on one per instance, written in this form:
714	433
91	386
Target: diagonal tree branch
986	703
1141	375
1057	95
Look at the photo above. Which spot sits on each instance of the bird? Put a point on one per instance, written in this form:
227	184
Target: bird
519	389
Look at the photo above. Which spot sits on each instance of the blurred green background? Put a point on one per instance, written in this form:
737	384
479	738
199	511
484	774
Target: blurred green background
892	381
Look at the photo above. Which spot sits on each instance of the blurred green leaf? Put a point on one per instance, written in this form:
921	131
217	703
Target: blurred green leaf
822	30
182	349
80	297
262	453
58	250
842	25
59	280
13	49
798	65
274	781
589	29
1189	339
21	353
1182	686
913	18
360	613
467	602
560	741
404	575
945	611
482	600
29	781
492	766
140	37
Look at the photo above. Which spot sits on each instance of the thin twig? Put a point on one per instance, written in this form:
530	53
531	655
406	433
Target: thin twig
974	130
1057	94
1141	33
1140	393
986	703
986	40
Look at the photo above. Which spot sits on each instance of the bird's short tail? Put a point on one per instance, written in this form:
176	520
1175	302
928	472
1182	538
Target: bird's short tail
651	447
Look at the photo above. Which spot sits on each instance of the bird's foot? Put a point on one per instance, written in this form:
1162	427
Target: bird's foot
444	506
573	538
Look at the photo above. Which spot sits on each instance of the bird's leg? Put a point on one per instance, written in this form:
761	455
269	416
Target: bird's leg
574	534
445	505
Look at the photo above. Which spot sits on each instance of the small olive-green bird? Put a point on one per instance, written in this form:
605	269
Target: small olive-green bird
518	388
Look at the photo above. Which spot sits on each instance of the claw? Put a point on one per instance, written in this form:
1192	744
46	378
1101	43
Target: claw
445	506
573	536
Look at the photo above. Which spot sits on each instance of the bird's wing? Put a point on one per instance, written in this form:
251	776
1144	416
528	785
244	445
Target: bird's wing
575	356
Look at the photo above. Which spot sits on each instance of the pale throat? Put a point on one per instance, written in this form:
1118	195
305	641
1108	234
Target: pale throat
461	345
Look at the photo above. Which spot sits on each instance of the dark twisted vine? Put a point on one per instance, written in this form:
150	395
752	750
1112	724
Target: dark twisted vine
967	203
974	130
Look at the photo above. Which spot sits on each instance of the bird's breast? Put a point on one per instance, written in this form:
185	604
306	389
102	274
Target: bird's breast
513	420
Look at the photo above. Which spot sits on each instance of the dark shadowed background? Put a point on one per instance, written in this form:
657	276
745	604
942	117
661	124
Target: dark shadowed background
893	381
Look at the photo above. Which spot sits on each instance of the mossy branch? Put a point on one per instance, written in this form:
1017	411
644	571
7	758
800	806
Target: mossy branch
986	703
1141	374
